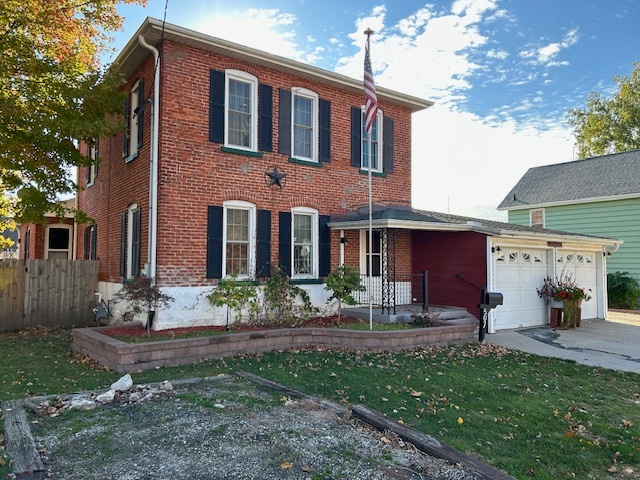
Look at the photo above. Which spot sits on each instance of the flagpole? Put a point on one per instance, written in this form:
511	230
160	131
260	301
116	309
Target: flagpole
368	33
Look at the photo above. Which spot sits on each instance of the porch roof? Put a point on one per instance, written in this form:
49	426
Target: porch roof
407	218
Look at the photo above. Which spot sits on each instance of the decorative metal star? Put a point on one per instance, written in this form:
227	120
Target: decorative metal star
275	177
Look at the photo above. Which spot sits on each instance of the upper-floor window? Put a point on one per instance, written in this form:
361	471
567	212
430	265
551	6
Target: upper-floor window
92	170
537	217
134	118
305	124
241	110
375	155
90	242
239	220
381	153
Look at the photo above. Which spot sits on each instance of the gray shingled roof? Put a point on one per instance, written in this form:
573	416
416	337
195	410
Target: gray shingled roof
612	175
411	214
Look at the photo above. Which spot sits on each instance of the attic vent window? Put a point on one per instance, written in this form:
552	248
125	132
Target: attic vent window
537	218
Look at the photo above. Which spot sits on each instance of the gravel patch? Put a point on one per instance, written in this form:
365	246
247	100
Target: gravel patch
225	428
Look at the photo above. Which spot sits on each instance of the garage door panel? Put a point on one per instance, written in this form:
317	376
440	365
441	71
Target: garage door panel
518	273
582	267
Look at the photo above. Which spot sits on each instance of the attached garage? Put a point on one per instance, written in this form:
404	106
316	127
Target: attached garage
519	271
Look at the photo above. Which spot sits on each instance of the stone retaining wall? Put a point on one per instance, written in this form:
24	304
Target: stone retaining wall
127	357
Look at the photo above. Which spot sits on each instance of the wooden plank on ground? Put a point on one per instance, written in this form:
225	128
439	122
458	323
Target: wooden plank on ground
426	443
19	443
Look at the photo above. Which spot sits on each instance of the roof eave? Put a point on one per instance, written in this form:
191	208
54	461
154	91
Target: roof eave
577	201
133	54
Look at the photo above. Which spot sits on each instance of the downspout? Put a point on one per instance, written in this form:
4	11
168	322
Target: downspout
153	175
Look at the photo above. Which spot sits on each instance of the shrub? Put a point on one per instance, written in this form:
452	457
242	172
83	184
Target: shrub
623	291
285	303
236	295
142	296
342	282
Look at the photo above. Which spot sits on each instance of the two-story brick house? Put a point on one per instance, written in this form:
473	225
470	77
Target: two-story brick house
235	161
232	162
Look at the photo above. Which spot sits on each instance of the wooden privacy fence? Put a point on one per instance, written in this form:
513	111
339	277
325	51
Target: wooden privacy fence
48	293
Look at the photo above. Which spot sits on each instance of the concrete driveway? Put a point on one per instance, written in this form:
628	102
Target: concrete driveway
597	342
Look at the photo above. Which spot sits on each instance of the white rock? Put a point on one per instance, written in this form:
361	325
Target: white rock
135	397
106	397
166	386
82	403
124	384
219	405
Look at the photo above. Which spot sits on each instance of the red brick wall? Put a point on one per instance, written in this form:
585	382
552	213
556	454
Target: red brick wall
194	173
445	254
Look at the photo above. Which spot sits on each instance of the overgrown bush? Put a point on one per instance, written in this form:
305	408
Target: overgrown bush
284	303
623	291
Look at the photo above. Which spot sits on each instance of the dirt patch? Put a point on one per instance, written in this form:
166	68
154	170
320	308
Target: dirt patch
226	428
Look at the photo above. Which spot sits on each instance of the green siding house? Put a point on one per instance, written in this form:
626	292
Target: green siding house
597	196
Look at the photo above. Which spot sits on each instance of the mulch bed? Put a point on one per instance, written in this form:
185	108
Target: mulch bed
140	331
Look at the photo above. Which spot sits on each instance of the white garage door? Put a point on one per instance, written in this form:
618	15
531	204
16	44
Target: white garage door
518	273
582	267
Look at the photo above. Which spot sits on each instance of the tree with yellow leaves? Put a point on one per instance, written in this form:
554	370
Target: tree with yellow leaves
53	92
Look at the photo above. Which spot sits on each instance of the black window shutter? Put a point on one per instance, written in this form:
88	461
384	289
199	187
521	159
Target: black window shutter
87	243
388	144
284	237
88	168
216	107
284	122
356	137
94	243
123	244
135	242
125	137
324	245
140	115
263	253
265	115
95	172
214	242
325	130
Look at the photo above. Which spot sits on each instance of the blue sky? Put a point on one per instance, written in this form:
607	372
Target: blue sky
503	73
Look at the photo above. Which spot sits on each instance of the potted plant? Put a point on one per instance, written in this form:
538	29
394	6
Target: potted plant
565	290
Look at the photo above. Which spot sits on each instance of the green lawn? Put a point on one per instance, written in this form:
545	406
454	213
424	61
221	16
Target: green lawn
531	416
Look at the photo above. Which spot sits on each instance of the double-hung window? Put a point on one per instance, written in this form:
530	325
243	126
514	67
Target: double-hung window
373	154
375	254
304	243
241	110
92	170
239	239
304	124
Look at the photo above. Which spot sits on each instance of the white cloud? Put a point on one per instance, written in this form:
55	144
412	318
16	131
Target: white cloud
546	55
264	29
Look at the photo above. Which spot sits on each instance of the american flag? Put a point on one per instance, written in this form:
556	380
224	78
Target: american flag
371	100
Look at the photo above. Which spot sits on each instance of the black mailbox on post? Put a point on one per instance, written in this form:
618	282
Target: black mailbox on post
488	301
492	299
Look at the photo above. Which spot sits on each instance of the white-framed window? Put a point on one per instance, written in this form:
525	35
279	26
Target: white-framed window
58	241
376	260
241	110
134	238
238	237
135	118
536	217
375	157
92	170
304	241
304	124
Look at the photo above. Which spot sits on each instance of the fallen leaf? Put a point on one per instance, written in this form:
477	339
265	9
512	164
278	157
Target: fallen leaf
415	394
460	421
627	423
286	465
307	469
